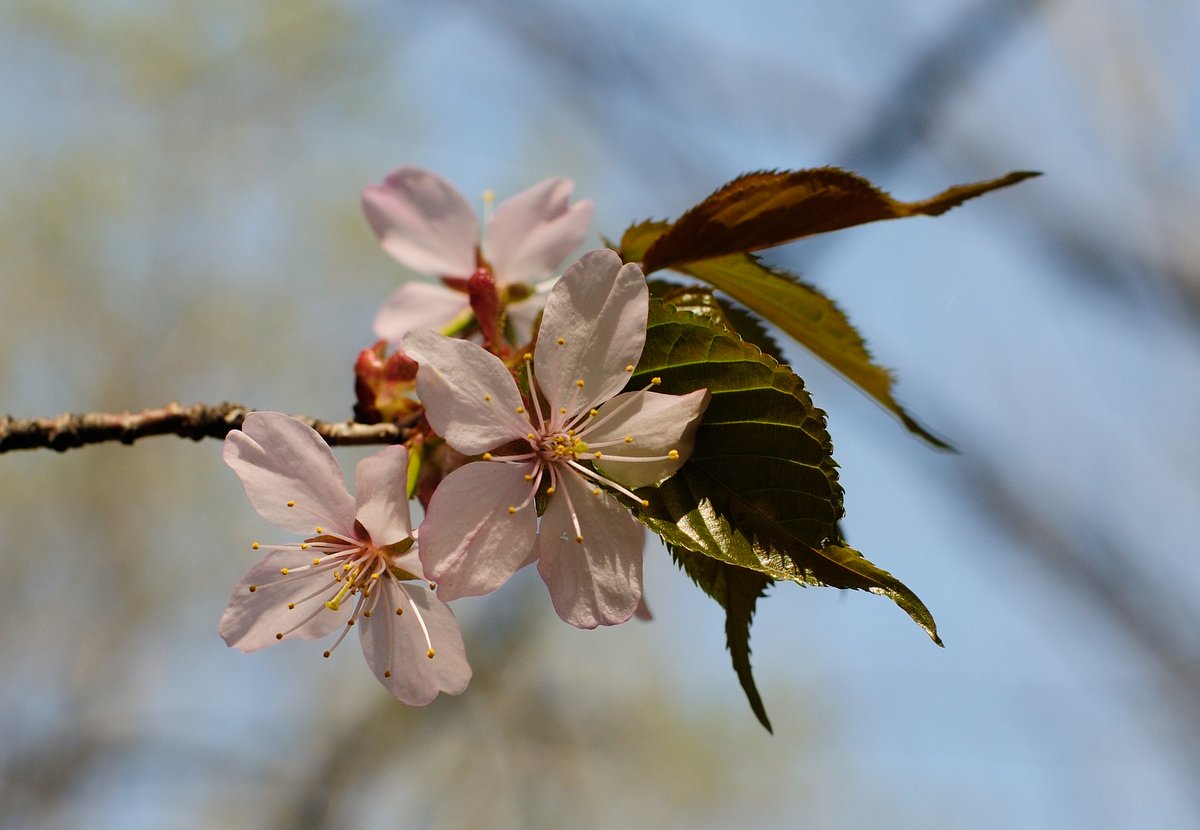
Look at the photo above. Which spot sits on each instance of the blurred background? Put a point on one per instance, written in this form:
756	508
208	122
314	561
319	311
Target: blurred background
179	219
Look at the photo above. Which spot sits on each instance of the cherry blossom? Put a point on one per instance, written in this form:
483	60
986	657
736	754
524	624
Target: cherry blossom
574	439
425	224
358	565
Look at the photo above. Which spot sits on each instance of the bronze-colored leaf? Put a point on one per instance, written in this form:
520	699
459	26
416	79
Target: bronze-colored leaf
764	209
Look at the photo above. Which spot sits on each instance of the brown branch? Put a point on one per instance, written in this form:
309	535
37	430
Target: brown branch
196	422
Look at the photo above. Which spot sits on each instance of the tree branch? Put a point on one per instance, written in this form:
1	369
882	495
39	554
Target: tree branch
196	422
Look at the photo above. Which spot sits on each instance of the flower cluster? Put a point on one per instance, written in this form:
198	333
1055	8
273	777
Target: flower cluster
555	449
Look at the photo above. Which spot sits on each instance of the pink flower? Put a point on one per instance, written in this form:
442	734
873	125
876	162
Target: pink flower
358	566
575	439
426	225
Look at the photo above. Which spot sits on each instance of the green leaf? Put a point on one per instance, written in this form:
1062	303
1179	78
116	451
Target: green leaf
813	319
798	309
737	591
760	490
700	300
764	209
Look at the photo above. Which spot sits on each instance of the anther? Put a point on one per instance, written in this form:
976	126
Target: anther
291	606
561	341
527	356
304	546
550	490
628	439
316	561
430	654
279	636
597	454
283	571
487	456
520	410
655	381
595	491
629	368
594	413
562	410
579	383
528	477
255	546
511	509
253	588
487	397
673	455
291	504
320	529
326	654
645	503
579	539
399	612
366	613
387	673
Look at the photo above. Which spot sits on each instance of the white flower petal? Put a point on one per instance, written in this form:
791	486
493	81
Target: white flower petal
531	233
598	581
470	544
593	328
470	397
423	222
415	306
254	618
289	474
398	653
657	423
381	482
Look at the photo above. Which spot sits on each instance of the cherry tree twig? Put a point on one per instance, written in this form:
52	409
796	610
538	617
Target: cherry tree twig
196	422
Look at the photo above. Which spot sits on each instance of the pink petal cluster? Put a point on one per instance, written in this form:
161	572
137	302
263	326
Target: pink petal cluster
574	439
425	224
357	567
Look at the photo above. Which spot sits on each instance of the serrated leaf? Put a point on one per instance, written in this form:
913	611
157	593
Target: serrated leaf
760	490
700	300
768	208
737	591
799	309
813	319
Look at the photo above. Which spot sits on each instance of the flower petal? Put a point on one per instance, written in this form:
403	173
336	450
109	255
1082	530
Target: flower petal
594	327
657	423
396	644
283	462
469	395
381	482
418	305
531	233
254	618
423	222
598	581
470	544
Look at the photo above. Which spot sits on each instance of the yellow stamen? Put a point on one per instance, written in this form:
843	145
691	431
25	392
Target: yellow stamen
597	454
595	491
430	654
304	546
594	413
279	635
320	529
520	410
550	490
673	455
253	588
291	606
628	439
579	383
336	603
528	477
629	368
645	503
487	456
512	509
655	381
291	504
399	612
527	356
561	341
579	539
283	571
255	546
387	673
487	397
316	561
